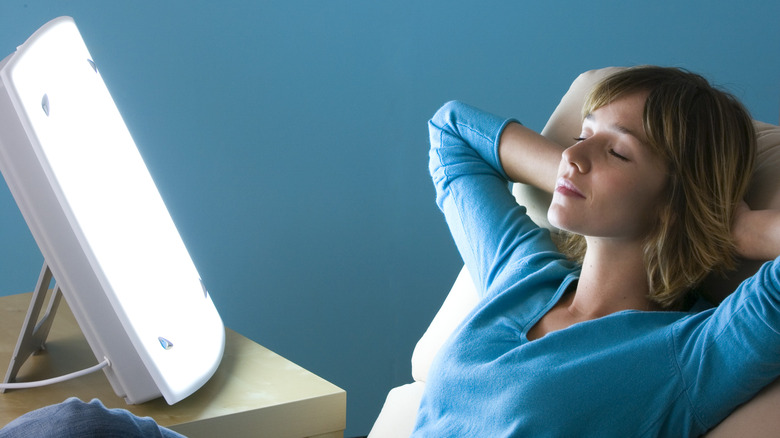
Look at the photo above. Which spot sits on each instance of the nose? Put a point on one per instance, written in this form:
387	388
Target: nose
576	156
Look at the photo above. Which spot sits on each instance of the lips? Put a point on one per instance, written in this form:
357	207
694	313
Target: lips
566	188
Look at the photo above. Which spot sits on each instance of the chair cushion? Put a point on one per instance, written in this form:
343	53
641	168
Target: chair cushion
764	191
459	302
399	413
755	419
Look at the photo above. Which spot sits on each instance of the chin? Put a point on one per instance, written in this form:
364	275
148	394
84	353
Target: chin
556	219
570	224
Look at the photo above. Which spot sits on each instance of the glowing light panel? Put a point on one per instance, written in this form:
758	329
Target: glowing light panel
98	218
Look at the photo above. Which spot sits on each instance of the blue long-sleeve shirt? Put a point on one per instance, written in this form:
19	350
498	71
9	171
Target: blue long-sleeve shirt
631	373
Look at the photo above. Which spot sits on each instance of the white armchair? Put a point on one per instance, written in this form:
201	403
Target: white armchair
757	418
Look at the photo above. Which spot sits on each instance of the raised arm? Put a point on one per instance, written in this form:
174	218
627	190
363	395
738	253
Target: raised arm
471	178
528	157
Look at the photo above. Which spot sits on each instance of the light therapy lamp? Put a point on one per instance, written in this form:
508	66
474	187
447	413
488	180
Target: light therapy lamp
104	232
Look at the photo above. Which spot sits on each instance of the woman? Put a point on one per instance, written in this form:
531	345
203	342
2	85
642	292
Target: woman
604	343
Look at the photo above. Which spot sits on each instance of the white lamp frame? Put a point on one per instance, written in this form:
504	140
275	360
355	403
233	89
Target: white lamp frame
101	225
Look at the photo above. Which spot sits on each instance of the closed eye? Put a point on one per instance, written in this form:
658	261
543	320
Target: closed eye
617	155
611	151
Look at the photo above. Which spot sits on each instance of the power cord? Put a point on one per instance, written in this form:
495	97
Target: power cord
53	380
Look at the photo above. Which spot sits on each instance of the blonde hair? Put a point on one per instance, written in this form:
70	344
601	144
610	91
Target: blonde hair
706	138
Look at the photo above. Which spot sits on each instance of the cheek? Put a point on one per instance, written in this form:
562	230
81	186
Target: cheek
645	202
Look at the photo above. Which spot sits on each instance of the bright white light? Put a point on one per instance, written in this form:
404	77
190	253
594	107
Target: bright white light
79	163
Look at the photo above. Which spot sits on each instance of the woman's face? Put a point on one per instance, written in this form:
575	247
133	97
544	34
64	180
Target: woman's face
610	183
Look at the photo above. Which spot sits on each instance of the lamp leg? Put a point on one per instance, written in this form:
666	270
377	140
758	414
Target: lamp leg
32	337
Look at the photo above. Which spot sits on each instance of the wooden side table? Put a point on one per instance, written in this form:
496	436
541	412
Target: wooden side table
255	392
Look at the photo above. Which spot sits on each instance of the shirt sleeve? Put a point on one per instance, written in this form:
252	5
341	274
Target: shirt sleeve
734	350
492	232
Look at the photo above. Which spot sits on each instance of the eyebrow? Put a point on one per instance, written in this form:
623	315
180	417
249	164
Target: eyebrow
620	128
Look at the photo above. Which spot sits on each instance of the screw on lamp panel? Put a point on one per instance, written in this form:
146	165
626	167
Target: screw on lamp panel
45	104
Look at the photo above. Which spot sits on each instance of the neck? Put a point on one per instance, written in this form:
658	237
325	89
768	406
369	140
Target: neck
613	278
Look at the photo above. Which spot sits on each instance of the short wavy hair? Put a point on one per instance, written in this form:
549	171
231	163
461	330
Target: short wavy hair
707	140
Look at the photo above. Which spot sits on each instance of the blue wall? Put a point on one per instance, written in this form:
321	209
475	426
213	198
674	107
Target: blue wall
289	140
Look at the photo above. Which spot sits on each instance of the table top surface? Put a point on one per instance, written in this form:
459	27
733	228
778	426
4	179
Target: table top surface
250	377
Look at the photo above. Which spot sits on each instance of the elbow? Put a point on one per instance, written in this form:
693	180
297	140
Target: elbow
446	115
444	120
